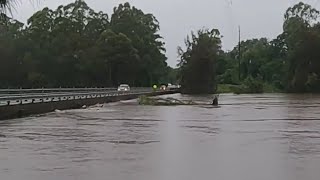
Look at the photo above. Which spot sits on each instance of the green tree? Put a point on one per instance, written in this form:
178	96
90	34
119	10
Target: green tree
117	51
302	38
10	65
75	46
197	62
61	38
142	29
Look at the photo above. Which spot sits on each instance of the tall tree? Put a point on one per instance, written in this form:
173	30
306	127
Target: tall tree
142	29
197	62
75	46
118	53
302	39
10	65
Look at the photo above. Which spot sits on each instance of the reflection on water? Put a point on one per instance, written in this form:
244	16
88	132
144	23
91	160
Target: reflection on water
250	137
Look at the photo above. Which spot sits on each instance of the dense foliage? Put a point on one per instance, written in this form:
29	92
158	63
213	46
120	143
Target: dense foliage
290	62
198	61
75	46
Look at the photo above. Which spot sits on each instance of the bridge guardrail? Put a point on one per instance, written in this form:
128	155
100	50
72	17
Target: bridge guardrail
49	97
8	92
60	90
48	90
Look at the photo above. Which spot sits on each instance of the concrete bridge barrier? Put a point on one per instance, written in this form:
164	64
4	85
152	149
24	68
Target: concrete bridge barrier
31	105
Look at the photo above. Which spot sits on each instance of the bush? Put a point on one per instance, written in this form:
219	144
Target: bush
254	85
270	88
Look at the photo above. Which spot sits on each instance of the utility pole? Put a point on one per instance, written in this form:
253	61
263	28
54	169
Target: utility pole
239	55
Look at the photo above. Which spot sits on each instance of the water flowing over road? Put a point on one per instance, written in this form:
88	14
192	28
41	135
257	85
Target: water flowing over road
249	137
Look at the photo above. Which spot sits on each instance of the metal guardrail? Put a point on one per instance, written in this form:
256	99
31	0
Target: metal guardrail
44	90
7	92
60	96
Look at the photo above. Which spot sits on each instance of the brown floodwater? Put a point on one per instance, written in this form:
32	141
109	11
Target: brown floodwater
249	137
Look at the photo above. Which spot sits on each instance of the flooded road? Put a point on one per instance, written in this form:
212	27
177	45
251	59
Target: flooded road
250	137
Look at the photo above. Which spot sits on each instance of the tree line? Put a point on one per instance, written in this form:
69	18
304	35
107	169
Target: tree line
288	63
75	46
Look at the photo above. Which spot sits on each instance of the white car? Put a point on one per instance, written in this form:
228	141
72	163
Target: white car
172	87
124	87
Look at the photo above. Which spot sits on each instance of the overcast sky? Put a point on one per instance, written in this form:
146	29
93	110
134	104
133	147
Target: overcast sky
258	18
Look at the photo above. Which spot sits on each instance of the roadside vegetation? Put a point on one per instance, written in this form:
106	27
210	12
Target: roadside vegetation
75	46
288	63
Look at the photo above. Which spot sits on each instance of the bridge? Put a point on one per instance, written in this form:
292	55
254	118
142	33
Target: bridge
15	103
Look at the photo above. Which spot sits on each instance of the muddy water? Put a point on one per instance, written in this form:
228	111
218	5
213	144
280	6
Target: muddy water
250	137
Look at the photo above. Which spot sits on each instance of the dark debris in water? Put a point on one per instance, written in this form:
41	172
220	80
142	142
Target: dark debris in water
302	131
132	142
204	129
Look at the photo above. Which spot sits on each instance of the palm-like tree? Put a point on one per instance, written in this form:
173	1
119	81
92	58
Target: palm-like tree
6	5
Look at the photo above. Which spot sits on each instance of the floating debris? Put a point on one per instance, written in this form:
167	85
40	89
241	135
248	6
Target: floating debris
156	101
145	100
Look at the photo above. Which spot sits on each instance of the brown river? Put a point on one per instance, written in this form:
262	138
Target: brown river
249	137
